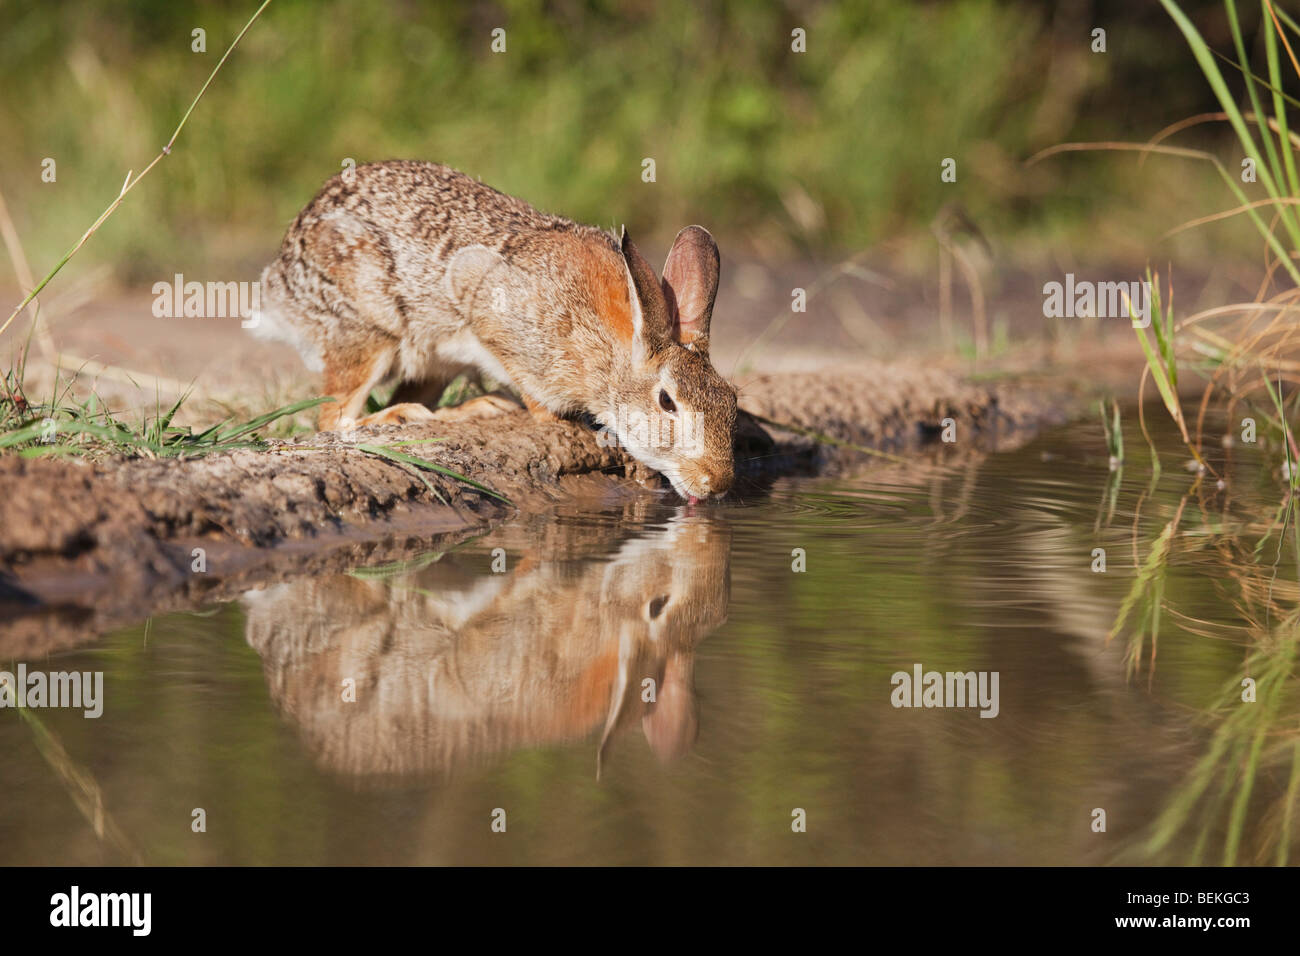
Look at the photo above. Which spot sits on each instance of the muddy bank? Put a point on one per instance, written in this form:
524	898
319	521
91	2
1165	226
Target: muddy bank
85	546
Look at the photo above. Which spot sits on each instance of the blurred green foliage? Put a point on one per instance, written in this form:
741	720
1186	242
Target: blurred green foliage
835	148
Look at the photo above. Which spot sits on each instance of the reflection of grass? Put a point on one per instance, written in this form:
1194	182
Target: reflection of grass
394	569
1145	599
81	786
1234	790
1250	741
1244	790
1114	434
1284	516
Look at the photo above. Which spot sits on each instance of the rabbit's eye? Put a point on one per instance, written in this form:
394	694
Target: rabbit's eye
657	606
665	402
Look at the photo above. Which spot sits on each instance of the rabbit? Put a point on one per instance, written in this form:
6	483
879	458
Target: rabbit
415	271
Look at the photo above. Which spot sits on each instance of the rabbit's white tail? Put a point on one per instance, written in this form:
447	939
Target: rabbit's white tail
267	321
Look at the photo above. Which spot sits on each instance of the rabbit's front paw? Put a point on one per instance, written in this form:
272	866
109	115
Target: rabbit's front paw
485	406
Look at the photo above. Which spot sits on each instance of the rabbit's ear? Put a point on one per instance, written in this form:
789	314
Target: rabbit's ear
672	725
617	697
690	286
650	322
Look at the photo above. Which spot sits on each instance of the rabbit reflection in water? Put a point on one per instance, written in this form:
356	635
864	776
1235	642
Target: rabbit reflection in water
452	663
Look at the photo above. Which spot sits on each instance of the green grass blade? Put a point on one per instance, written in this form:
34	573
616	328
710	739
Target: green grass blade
1265	136
263	420
1279	107
383	451
1201	50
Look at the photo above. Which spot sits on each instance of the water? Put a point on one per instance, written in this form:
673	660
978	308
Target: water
519	695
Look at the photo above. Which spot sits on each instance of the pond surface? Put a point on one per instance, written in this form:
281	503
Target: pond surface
404	714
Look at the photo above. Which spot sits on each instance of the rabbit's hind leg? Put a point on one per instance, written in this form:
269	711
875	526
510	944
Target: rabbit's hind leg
484	406
416	400
402	414
539	411
413	400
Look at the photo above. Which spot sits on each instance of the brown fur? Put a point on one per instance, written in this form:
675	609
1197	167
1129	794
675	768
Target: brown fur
452	664
416	272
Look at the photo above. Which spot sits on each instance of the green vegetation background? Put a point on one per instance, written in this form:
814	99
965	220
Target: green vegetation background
795	154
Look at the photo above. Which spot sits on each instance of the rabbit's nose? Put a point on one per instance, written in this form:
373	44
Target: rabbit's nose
716	484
